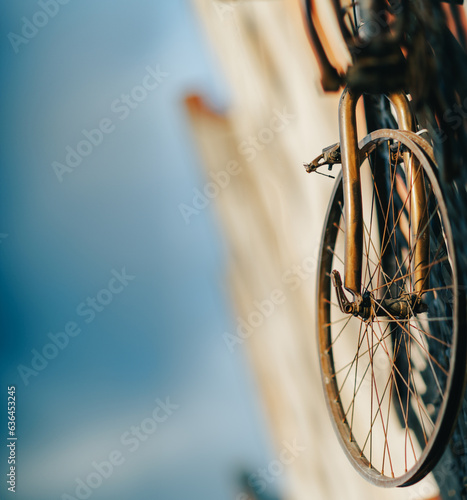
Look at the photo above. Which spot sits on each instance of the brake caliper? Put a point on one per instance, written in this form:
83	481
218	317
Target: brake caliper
330	156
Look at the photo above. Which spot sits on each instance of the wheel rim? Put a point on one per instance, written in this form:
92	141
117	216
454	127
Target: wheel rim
367	365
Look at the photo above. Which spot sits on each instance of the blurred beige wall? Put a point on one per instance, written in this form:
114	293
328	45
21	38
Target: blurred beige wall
271	213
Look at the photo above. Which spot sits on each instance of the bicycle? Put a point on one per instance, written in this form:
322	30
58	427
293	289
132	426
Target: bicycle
393	357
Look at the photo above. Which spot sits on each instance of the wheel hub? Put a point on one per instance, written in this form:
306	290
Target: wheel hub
367	307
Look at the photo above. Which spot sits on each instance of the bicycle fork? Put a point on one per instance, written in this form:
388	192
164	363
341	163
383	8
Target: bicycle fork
350	159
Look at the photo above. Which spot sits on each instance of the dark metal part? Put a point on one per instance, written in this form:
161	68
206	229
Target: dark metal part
396	149
330	156
404	306
345	305
330	78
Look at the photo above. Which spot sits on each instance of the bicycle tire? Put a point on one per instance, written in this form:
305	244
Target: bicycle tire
432	343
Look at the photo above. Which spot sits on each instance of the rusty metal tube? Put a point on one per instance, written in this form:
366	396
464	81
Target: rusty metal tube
352	192
418	203
403	113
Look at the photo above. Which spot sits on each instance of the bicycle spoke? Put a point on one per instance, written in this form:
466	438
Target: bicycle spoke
389	376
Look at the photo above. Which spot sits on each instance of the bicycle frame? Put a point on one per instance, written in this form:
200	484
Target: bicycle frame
331	80
406	206
353	195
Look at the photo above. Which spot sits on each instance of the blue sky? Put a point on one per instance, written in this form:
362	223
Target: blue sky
116	212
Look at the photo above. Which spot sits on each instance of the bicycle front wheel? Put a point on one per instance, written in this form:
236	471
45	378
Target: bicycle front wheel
393	384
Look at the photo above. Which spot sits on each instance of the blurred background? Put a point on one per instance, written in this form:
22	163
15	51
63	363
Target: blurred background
158	241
